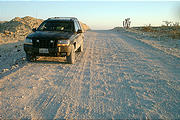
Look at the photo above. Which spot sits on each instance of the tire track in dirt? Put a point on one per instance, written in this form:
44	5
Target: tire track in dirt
78	83
155	75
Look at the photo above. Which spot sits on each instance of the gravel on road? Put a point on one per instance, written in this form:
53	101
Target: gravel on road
116	77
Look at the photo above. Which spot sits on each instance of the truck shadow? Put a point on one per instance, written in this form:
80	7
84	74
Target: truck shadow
51	60
57	60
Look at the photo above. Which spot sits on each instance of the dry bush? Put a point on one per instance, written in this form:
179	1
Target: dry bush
147	28
170	30
175	31
175	34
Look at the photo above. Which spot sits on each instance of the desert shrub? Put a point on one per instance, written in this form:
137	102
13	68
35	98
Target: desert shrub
175	31
174	34
147	28
171	30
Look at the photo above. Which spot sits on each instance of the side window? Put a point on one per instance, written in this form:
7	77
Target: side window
76	26
79	26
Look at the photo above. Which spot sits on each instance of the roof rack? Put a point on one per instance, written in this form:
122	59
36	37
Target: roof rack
62	18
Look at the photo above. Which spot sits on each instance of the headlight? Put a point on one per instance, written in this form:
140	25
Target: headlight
63	43
27	40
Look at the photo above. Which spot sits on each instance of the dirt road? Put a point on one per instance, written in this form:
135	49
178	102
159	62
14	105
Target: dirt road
115	77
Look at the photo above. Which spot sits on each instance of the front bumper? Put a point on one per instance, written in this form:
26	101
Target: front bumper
59	51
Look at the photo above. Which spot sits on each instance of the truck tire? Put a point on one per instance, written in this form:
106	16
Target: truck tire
30	58
80	49
71	58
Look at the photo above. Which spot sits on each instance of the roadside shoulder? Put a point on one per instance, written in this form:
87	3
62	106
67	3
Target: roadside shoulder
167	45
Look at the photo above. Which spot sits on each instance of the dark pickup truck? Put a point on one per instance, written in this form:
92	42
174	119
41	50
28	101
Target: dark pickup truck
56	37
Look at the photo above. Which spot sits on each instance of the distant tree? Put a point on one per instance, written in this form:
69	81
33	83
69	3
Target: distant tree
126	23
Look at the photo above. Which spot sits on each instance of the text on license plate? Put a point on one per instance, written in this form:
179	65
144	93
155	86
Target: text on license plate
43	50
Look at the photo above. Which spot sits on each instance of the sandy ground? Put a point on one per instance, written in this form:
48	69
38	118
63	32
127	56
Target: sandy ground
116	76
161	42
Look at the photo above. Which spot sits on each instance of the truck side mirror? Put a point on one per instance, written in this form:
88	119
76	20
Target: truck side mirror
79	31
34	29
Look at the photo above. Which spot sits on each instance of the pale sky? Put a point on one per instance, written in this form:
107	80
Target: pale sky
101	14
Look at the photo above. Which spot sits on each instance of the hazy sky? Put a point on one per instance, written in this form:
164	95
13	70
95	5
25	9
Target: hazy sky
97	14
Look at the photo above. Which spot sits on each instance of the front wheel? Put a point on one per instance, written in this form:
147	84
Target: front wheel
71	58
80	49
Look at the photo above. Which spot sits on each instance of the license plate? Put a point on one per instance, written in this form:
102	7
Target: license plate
43	50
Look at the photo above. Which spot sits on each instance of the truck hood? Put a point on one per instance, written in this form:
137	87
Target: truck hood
50	35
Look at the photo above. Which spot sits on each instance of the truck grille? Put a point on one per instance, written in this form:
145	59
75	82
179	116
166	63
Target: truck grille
42	43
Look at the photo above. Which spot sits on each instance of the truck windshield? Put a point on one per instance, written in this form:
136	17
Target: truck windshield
62	26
